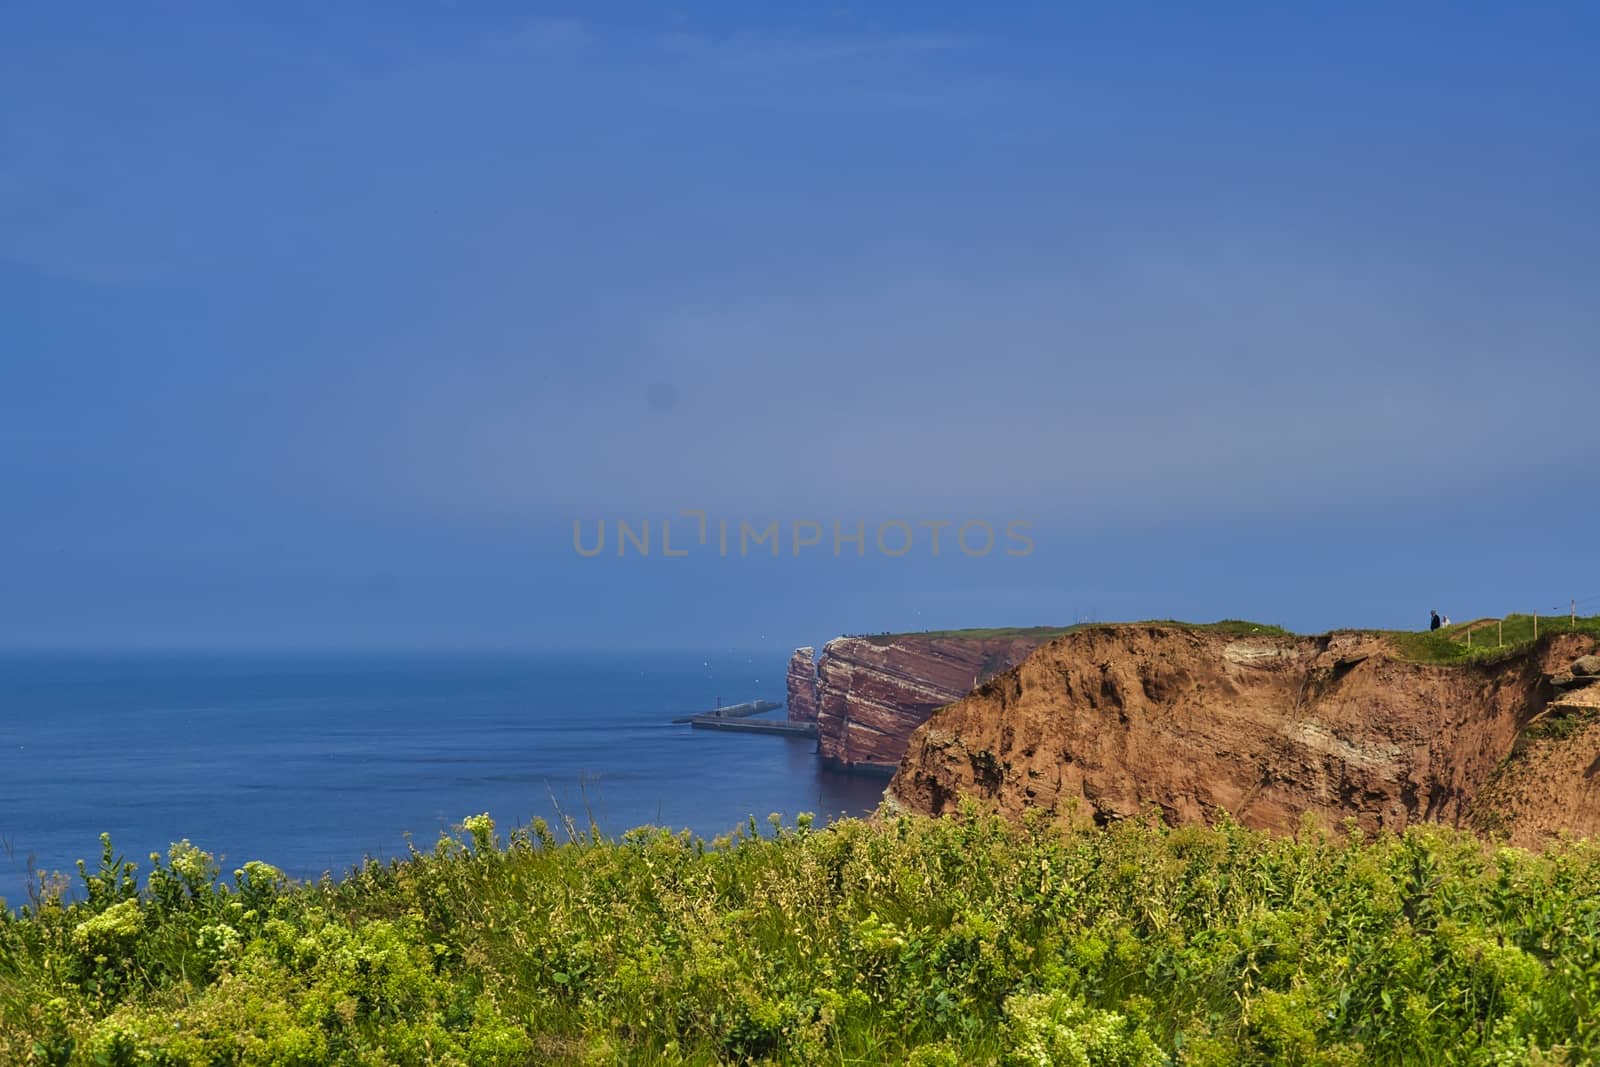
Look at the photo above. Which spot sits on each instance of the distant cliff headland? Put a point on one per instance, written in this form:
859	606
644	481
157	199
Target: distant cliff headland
867	694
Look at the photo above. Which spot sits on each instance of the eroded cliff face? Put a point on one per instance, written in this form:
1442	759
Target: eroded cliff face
802	683
870	693
1550	782
1104	722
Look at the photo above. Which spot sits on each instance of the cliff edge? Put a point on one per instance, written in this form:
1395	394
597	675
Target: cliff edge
1106	721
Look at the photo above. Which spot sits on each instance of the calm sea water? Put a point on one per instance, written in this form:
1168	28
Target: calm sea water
311	762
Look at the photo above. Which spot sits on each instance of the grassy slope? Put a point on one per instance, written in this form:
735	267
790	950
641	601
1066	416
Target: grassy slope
959	941
1045	633
1444	646
1235	627
1449	645
1042	633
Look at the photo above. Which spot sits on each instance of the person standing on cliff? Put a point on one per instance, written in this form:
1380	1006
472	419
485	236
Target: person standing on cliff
1434	623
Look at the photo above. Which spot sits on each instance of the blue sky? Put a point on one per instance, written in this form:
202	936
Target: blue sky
320	328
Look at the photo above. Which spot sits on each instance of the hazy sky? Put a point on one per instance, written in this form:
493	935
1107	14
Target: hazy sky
321	329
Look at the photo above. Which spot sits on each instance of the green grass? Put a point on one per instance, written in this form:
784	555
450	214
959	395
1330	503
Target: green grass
1443	646
959	941
1233	627
1449	644
1045	633
1041	633
1559	724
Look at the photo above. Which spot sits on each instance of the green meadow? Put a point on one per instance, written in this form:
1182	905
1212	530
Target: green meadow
967	940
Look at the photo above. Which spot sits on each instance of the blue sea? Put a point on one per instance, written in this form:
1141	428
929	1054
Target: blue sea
311	762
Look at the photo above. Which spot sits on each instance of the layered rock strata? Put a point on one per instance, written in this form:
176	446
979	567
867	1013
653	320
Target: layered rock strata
867	694
803	685
1107	722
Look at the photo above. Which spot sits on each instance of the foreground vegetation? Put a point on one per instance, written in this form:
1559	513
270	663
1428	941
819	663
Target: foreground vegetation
962	941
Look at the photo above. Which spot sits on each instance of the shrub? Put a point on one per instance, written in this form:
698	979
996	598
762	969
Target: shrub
966	940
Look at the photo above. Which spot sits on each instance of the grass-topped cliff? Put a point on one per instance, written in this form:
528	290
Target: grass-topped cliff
992	633
961	941
1044	633
869	694
1486	640
1388	729
1479	641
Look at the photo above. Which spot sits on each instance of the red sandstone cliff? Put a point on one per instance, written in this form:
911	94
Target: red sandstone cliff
803	685
867	694
1107	721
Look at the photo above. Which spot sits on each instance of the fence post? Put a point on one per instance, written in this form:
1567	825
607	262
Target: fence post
1536	626
1500	632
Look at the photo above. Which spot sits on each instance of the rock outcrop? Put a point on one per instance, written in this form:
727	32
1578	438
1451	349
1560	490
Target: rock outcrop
1550	782
803	685
870	693
1108	721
